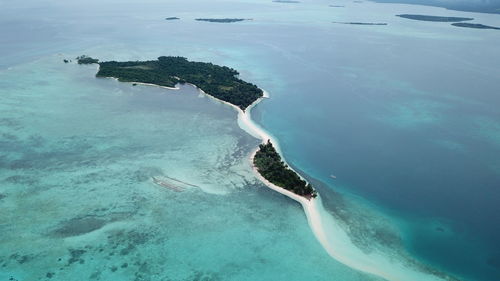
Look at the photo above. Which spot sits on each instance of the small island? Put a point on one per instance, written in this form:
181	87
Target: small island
269	164
336	6
172	18
225	20
361	23
83	59
286	1
220	82
474	25
433	18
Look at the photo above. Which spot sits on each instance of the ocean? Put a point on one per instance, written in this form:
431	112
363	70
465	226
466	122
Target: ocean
404	116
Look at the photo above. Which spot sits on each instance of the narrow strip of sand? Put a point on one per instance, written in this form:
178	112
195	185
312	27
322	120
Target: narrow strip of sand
334	240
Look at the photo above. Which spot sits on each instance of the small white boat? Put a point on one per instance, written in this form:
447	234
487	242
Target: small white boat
333	176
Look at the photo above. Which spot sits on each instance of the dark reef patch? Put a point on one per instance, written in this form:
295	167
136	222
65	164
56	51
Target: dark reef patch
19	179
79	225
21	259
76	256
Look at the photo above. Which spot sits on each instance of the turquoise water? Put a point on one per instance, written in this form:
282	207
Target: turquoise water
404	115
78	199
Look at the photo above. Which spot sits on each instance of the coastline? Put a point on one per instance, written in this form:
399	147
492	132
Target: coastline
341	248
310	206
144	84
332	237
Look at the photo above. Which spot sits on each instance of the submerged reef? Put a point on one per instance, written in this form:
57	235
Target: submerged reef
218	81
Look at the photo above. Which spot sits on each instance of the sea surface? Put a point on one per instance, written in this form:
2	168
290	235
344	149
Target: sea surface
404	116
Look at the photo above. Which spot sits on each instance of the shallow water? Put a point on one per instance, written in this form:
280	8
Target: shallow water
404	115
78	199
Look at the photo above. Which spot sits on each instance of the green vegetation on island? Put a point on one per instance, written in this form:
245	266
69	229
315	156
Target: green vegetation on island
271	167
83	59
225	20
172	18
220	82
286	1
474	25
433	18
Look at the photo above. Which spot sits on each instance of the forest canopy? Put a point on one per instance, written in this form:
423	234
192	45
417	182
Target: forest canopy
218	81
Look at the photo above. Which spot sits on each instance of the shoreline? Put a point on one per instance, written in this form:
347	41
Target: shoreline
322	225
310	206
342	248
144	84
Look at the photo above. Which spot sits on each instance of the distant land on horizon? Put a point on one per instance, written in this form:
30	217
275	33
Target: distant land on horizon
474	25
433	18
224	20
361	23
490	7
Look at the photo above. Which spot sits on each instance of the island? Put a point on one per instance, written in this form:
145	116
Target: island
433	18
286	1
225	20
362	23
220	82
336	6
86	60
172	18
474	25
269	164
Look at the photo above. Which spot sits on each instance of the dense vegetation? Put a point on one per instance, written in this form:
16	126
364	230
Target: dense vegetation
172	18
433	18
474	25
269	164
218	81
86	60
226	20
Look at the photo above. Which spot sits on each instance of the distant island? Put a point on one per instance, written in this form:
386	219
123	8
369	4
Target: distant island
286	1
220	82
172	18
336	6
362	23
433	18
269	164
83	59
474	25
225	20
